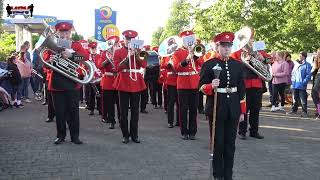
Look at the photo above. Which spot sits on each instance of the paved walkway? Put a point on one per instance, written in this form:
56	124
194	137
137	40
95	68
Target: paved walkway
290	150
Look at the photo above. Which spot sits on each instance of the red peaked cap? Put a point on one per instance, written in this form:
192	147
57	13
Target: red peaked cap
156	48
224	37
114	38
83	41
185	33
130	34
92	45
63	26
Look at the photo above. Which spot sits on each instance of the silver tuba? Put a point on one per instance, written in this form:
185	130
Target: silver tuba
48	45
248	56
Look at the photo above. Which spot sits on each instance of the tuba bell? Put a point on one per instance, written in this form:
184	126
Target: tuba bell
50	48
248	55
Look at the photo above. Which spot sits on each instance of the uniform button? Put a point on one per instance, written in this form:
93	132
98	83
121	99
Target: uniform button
228	74
228	82
228	78
227	67
228	96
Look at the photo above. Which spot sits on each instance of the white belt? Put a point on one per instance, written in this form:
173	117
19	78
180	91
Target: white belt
187	73
171	73
109	74
227	90
132	70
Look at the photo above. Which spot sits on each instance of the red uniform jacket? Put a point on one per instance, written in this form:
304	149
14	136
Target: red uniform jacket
58	82
249	83
108	74
188	78
171	79
123	82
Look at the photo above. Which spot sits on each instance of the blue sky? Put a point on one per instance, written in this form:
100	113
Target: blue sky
144	16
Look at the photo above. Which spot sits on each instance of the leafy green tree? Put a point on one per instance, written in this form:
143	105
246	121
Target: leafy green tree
7	45
179	19
35	38
76	37
156	36
1	14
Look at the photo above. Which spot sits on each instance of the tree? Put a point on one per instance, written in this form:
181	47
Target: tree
1	14
35	38
156	36
76	37
179	19
7	45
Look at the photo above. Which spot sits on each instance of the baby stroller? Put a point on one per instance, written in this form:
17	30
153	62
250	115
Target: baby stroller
4	74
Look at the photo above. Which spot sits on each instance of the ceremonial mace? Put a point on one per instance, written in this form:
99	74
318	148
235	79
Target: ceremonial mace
216	70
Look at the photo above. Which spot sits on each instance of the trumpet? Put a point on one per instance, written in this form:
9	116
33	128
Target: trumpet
199	50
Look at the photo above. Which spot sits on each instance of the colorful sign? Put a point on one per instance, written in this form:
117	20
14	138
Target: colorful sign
105	23
50	20
25	11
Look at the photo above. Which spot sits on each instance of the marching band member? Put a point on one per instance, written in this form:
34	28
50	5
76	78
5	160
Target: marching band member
94	88
171	84
254	88
230	103
129	82
109	93
187	86
65	92
51	112
200	104
144	94
162	80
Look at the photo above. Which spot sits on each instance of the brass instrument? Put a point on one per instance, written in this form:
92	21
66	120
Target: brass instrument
37	74
54	46
248	56
199	50
168	47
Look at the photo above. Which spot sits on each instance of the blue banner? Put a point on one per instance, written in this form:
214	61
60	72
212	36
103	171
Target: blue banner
105	21
50	20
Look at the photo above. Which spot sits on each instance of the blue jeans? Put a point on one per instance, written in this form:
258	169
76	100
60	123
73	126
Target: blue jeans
16	92
25	85
35	83
300	97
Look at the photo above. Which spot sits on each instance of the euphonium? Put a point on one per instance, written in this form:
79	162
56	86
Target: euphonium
50	55
143	55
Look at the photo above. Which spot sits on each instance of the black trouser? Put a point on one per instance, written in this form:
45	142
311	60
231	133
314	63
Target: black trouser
87	93
93	98
316	90
144	100
188	101
165	99
81	93
156	95
66	105
51	111
253	103
224	146
133	98
118	106
200	104
172	99
300	97
278	89
109	101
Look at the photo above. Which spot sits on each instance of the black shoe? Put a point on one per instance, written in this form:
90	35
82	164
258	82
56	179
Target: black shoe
192	137
111	126
136	140
242	136
44	103
170	125
58	141
87	107
144	111
256	135
218	178
177	124
77	141
103	120
125	140
91	113
49	120
165	111
155	106
185	137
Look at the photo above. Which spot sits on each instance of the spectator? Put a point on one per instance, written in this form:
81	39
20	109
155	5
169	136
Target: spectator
25	69
300	78
316	86
273	57
288	92
36	65
280	72
15	81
